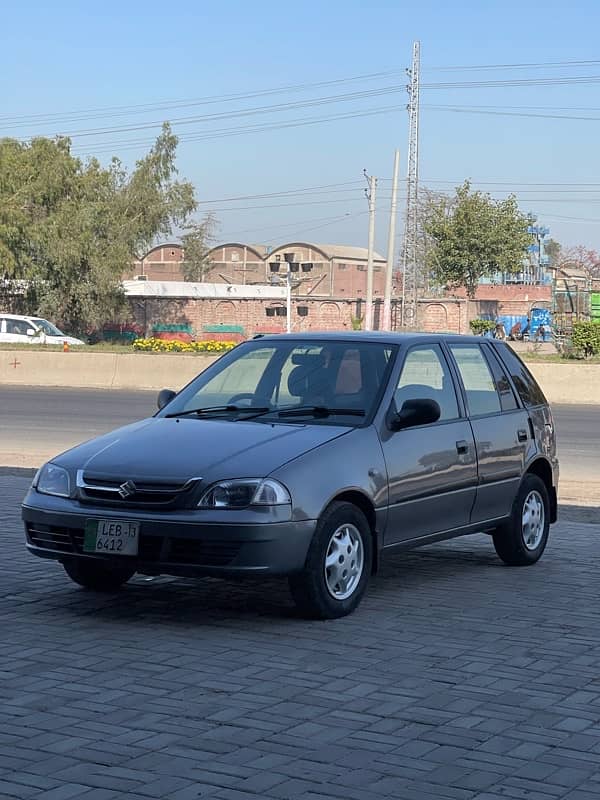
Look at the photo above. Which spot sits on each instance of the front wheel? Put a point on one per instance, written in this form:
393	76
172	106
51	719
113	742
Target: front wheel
523	539
338	564
96	575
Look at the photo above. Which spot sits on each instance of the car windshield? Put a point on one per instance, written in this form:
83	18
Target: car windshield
48	327
342	380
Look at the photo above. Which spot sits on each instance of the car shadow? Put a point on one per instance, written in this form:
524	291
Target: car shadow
463	564
197	601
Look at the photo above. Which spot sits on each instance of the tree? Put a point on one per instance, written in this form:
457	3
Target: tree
580	259
69	229
196	243
474	236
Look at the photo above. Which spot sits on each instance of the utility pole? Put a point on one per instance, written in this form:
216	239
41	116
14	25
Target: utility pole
288	301
370	194
387	297
410	275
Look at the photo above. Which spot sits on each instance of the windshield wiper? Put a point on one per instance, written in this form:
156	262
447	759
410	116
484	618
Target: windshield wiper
218	409
321	412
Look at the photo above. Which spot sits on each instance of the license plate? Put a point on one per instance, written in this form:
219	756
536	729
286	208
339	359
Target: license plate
116	537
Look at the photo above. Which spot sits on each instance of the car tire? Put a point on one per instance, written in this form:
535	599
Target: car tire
523	539
96	575
338	564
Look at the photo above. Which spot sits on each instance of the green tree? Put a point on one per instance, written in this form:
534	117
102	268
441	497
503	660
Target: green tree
196	242
69	229
474	236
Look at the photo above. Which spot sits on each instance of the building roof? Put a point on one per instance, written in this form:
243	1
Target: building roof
339	251
224	291
348	252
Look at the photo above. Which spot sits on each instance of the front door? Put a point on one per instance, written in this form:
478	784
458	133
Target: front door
432	469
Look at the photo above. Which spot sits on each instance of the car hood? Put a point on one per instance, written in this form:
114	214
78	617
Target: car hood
161	448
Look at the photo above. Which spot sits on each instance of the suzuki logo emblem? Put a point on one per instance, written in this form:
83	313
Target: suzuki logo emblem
127	489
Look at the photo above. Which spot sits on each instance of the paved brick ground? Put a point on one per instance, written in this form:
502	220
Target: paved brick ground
458	678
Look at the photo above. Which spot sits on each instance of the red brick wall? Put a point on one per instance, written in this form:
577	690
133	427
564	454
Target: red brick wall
506	292
251	314
435	315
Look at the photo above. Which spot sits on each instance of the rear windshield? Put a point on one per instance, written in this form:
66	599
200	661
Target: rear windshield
529	390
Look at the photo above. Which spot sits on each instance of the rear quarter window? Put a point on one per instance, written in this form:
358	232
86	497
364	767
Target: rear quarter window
526	385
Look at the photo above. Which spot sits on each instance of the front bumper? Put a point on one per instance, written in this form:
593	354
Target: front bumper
172	544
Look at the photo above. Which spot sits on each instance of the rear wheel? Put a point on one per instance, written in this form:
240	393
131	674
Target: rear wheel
523	539
338	564
96	575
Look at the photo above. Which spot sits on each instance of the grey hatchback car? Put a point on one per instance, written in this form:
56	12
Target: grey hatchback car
309	456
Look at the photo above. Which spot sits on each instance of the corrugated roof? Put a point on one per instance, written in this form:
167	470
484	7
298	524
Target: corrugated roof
346	251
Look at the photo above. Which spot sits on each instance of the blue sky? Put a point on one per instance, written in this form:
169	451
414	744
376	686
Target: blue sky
63	57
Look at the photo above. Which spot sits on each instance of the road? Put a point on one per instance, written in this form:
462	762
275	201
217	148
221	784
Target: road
36	423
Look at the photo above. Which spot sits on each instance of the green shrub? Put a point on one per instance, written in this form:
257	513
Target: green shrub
481	326
586	339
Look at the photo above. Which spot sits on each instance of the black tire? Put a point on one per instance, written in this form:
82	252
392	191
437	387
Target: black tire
101	577
310	588
510	539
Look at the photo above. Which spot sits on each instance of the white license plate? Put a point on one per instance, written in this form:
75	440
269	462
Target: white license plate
115	537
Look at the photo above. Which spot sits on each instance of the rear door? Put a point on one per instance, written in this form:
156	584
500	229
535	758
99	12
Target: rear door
500	427
432	470
538	409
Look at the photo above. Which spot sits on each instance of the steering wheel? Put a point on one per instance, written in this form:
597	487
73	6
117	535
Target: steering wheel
240	396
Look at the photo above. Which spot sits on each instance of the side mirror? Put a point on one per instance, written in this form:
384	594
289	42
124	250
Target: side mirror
30	332
165	396
415	412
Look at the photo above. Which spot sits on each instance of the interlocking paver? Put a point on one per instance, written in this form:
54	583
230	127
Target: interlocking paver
457	679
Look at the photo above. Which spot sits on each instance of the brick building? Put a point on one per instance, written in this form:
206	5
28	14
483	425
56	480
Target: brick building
337	270
239	293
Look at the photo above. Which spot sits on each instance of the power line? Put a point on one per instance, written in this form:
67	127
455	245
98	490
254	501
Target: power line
108	112
526	65
294	225
325	189
238	113
468	110
237	131
515	82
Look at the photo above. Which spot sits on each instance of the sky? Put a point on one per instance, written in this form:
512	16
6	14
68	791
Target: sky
108	74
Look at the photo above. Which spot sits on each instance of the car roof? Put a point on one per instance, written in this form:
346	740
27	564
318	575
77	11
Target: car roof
381	337
17	316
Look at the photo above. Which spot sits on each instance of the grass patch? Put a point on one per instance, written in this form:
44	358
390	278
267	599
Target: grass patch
556	358
101	347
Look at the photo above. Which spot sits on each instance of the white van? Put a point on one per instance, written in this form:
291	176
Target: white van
32	330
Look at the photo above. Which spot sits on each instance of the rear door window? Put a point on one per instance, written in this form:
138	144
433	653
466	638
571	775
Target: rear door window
477	378
526	385
508	400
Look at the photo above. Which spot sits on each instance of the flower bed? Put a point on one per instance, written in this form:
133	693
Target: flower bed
176	346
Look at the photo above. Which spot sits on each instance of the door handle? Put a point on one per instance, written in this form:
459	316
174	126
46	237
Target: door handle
522	435
462	447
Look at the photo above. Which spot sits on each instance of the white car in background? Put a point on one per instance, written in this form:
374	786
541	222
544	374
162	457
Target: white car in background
16	329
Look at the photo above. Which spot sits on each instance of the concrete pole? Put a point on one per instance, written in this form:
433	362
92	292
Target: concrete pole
369	302
288	300
387	297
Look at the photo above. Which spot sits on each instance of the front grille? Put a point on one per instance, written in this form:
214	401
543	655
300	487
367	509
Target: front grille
127	492
152	549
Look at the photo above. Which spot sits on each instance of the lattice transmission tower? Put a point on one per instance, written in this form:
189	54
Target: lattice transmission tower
410	269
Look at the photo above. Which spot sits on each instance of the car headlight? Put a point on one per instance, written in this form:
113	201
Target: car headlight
245	492
52	479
